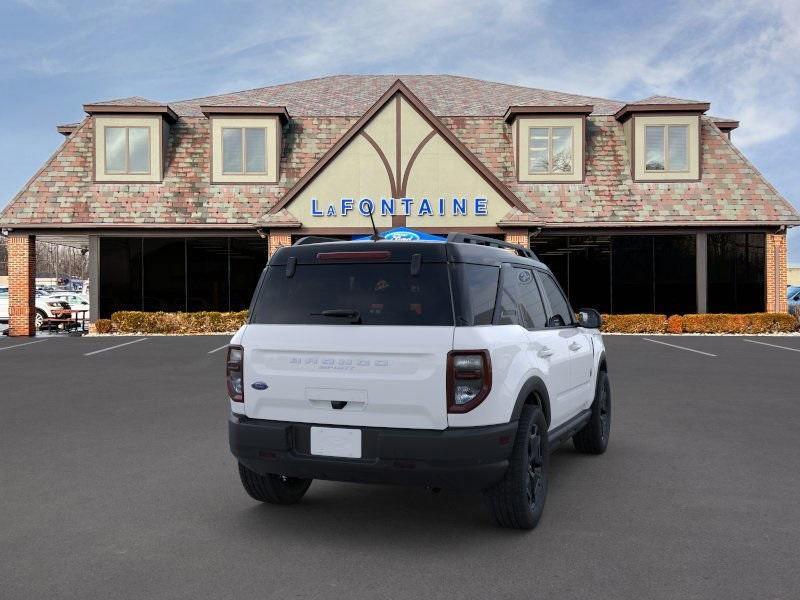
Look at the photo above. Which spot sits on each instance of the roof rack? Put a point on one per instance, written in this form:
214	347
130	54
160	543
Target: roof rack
314	239
466	238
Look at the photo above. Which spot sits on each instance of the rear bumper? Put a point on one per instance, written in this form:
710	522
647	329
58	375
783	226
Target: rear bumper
470	458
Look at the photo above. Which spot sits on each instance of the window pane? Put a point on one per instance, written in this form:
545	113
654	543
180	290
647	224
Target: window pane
115	149
678	140
531	307
736	272
255	140
538	150
558	303
674	272
562	149
120	266
164	274
632	274
231	150
248	259
654	148
207	274
138	149
553	251
589	283
382	294
478	285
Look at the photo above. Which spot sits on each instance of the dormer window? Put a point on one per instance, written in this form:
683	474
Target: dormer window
245	143
127	150
130	140
550	150
548	142
666	148
244	150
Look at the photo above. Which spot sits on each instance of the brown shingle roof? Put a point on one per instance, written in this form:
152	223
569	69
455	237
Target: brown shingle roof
130	101
352	95
62	193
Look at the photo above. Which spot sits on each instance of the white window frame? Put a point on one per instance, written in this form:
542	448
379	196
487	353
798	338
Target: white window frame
127	129
550	129
665	148
244	171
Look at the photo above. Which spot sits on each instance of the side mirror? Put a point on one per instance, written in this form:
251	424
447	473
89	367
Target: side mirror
589	318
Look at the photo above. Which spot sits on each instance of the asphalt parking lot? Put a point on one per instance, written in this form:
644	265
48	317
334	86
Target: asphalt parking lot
116	482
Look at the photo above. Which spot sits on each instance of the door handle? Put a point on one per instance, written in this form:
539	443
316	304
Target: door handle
544	352
575	346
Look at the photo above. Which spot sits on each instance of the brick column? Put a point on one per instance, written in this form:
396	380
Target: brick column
520	237
21	284
775	273
278	238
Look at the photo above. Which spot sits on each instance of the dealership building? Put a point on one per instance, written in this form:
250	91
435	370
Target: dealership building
640	206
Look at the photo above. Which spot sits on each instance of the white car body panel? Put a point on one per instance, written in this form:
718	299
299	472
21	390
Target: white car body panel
389	376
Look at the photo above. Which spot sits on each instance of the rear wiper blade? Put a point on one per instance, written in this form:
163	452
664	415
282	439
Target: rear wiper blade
344	313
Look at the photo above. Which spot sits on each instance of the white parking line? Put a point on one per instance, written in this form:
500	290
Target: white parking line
680	347
218	349
113	347
20	345
771	345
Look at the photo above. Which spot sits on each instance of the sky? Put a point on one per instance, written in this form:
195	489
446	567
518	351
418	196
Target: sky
739	55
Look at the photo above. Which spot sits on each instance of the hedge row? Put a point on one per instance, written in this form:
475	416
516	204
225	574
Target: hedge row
222	322
163	322
706	323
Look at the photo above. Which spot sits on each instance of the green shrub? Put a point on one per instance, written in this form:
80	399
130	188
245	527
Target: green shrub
163	322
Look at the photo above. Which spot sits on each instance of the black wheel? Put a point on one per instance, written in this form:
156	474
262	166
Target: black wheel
274	489
593	438
517	501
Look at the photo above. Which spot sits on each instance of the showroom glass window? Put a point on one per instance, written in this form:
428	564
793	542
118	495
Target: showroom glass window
244	150
625	273
666	148
178	274
127	150
736	272
550	150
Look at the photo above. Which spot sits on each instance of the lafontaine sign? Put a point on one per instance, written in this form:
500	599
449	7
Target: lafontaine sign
422	207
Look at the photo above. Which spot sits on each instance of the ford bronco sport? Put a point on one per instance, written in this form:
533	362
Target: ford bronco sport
456	364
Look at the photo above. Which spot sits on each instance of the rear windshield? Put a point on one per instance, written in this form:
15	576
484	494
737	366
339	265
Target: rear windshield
365	293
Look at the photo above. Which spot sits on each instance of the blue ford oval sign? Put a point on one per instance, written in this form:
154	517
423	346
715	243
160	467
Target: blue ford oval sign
259	385
403	236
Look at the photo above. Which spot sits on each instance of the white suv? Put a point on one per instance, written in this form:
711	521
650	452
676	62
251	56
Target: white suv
453	364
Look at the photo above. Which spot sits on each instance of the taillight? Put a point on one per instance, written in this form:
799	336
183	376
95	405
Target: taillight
235	373
469	379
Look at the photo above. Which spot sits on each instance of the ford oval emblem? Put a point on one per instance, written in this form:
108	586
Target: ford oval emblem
259	385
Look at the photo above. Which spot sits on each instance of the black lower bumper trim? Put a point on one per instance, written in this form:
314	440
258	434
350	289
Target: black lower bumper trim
470	458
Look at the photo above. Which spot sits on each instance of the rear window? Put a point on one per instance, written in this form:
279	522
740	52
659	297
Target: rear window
379	293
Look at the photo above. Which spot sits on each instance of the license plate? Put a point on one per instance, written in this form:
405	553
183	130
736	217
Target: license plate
335	441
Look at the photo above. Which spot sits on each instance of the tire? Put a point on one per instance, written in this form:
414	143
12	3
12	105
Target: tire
271	488
517	501
39	318
593	438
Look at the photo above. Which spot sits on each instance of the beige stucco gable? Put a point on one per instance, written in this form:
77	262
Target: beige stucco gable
404	166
